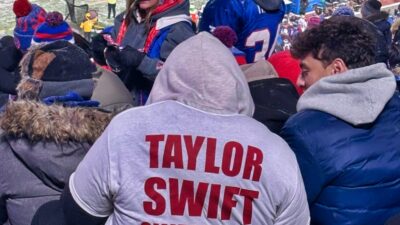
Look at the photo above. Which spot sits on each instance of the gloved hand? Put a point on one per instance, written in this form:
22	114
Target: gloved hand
127	58
131	57
98	45
113	59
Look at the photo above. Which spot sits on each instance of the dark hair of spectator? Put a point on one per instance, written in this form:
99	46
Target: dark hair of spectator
338	37
131	6
394	56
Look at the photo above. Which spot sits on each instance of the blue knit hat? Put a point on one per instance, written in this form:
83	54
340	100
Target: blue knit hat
343	11
53	29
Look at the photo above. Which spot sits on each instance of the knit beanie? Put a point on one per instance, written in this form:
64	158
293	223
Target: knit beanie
287	67
22	8
229	38
343	11
370	7
226	35
54	28
58	61
25	27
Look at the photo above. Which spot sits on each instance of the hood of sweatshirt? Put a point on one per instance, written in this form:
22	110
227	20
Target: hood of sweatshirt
201	72
356	96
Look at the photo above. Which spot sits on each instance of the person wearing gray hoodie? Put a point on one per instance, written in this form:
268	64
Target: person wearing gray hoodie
192	155
346	131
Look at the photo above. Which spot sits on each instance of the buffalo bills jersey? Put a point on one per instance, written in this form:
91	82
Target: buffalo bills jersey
256	28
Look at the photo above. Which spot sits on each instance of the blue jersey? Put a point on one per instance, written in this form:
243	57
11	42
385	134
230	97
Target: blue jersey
256	29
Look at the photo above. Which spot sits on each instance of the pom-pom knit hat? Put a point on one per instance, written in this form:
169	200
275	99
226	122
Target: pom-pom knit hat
22	8
26	25
226	35
53	29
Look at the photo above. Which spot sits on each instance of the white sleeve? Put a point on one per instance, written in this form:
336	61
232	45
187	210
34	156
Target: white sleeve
295	211
90	184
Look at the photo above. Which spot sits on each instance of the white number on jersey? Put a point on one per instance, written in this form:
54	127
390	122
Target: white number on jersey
256	37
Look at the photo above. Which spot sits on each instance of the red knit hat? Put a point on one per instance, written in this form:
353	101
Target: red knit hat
287	67
22	8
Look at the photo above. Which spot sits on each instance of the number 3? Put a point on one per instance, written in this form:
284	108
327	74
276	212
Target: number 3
256	37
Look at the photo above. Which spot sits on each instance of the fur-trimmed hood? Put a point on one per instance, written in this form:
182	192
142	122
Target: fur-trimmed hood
50	140
36	122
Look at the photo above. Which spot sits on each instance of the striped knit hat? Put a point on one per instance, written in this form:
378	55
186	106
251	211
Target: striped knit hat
54	28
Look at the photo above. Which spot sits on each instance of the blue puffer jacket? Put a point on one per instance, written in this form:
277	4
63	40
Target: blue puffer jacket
346	137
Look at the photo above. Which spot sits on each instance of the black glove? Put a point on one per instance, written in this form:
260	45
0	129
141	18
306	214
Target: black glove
98	45
127	58
9	81
112	56
131	57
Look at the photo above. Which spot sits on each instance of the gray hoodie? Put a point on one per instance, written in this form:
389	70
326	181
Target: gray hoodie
193	154
357	96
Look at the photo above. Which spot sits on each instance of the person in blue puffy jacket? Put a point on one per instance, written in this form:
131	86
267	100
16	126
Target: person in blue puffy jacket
346	132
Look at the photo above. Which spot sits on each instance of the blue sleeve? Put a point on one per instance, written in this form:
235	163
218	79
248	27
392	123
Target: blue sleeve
221	13
302	145
177	33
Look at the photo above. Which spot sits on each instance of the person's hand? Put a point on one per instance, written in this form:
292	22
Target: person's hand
127	58
131	57
98	46
112	57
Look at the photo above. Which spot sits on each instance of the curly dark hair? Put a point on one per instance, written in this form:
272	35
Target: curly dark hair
394	55
344	37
